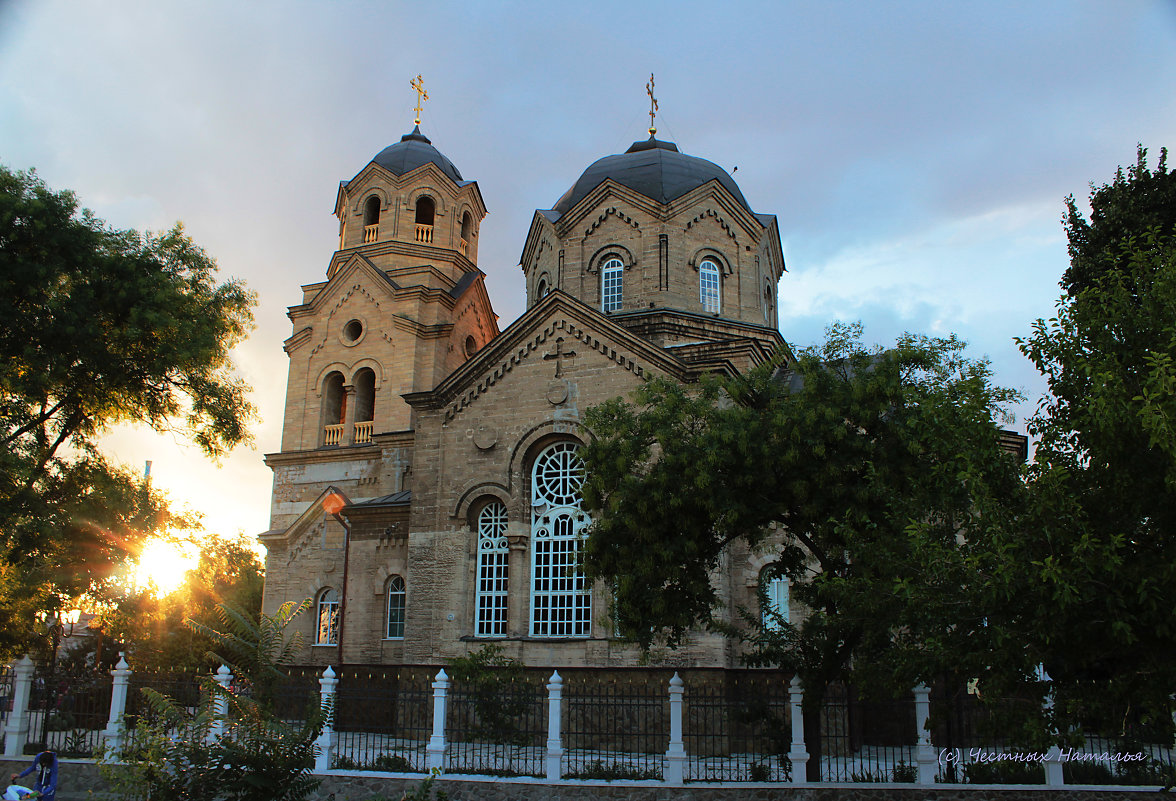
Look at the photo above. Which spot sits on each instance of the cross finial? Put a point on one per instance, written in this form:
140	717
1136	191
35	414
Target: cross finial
419	85
652	104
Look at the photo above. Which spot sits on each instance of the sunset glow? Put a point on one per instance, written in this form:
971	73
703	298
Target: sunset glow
163	565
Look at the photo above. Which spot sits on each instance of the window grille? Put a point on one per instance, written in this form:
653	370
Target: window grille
396	608
611	278
493	571
708	286
561	602
328	618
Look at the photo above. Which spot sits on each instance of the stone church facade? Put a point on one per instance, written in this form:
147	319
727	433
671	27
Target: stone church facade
425	495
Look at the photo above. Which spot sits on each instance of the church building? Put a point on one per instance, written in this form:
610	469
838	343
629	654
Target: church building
426	493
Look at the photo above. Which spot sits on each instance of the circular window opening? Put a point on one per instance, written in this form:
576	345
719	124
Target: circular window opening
353	331
471	347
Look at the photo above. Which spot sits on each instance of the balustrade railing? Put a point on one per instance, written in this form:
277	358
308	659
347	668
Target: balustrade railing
464	247
424	233
333	434
363	432
371	233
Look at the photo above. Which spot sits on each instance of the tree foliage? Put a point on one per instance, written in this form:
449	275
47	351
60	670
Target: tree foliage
1138	201
232	746
150	626
1096	573
100	327
255	646
857	469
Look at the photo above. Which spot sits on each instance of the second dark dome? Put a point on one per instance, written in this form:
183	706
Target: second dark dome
653	168
413	150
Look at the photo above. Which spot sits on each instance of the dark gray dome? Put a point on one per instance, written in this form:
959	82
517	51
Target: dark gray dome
655	169
413	150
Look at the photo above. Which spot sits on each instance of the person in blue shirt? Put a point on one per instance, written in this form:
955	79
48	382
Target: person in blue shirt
45	763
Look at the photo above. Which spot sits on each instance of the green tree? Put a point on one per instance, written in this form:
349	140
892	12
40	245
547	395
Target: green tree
857	468
1095	575
1137	202
100	327
178	755
151	627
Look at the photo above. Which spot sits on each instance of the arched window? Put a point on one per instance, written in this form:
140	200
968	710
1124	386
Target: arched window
611	277
493	571
371	219
708	286
396	608
561	602
365	404
467	233
775	611
425	210
541	289
334	408
327	632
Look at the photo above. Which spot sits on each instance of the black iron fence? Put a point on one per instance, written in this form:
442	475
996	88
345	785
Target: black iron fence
867	739
726	727
498	728
737	730
68	711
614	729
382	720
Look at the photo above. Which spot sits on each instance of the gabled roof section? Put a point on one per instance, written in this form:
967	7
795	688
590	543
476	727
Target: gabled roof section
307	518
356	262
557	314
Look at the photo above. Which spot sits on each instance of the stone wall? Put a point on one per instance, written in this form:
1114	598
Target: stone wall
79	779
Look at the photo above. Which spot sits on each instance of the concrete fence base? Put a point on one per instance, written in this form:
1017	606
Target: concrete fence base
79	779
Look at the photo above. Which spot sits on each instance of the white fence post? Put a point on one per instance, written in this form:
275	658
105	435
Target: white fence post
676	753
1054	777
116	725
220	704
16	731
435	752
326	739
924	751
554	727
798	754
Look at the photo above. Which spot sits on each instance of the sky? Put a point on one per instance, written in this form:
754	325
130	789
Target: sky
916	154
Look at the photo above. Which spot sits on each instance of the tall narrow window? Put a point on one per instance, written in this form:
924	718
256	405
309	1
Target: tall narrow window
365	404
776	611
425	209
334	409
493	571
467	233
708	286
611	276
561	602
371	219
396	598
328	618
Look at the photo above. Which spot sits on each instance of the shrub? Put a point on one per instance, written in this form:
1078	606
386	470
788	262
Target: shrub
1004	773
905	773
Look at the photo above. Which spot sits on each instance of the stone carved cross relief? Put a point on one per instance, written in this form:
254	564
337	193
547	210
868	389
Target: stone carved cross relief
559	355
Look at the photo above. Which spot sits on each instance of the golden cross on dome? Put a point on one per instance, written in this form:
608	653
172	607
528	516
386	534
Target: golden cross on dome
652	104
418	84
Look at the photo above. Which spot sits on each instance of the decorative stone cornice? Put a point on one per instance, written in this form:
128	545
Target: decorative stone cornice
610	212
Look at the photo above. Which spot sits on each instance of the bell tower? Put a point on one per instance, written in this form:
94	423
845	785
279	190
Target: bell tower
403	305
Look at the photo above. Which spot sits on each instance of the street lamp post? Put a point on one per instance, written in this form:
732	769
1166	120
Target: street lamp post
55	624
